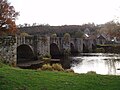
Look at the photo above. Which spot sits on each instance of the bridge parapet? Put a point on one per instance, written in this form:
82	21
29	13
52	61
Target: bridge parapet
43	45
29	40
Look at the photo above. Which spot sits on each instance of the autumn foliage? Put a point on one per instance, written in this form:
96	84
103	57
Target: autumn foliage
7	18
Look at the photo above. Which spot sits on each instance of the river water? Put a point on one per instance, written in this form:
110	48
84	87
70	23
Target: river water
101	63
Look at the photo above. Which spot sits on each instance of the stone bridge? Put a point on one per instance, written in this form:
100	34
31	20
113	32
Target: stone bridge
16	49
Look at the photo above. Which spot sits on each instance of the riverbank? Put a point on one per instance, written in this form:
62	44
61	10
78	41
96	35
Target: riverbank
108	48
24	79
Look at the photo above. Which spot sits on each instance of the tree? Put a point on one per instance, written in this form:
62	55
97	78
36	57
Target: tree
54	35
8	16
78	34
23	34
67	37
111	28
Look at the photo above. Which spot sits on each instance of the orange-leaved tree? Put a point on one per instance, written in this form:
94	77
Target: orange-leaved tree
8	16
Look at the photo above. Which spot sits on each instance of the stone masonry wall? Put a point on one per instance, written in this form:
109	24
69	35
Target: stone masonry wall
8	47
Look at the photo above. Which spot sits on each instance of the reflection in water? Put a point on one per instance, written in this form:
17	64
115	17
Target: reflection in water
101	63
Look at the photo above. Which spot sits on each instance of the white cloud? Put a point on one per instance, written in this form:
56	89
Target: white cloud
60	12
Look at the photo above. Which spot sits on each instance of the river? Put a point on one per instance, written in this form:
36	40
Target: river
101	63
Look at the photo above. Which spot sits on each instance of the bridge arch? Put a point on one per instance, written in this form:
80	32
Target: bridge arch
93	48
72	48
85	49
25	53
54	51
93	45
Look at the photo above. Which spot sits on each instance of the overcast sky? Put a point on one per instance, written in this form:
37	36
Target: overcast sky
66	12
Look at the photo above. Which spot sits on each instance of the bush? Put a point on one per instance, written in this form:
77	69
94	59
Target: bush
100	50
46	60
47	67
47	56
69	70
57	67
91	72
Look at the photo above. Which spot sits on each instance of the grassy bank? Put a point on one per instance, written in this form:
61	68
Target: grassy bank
109	48
19	79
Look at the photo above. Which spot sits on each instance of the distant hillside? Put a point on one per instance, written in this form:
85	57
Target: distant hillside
59	30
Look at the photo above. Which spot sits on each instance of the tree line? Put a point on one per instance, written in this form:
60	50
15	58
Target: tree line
76	31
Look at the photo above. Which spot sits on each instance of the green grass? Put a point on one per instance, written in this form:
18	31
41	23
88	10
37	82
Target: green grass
19	79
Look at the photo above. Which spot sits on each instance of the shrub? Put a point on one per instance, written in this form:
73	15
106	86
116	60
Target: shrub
69	70
46	60
91	72
57	67
47	56
47	67
100	50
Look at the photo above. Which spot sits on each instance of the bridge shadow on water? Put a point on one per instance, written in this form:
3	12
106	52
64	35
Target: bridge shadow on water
65	61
